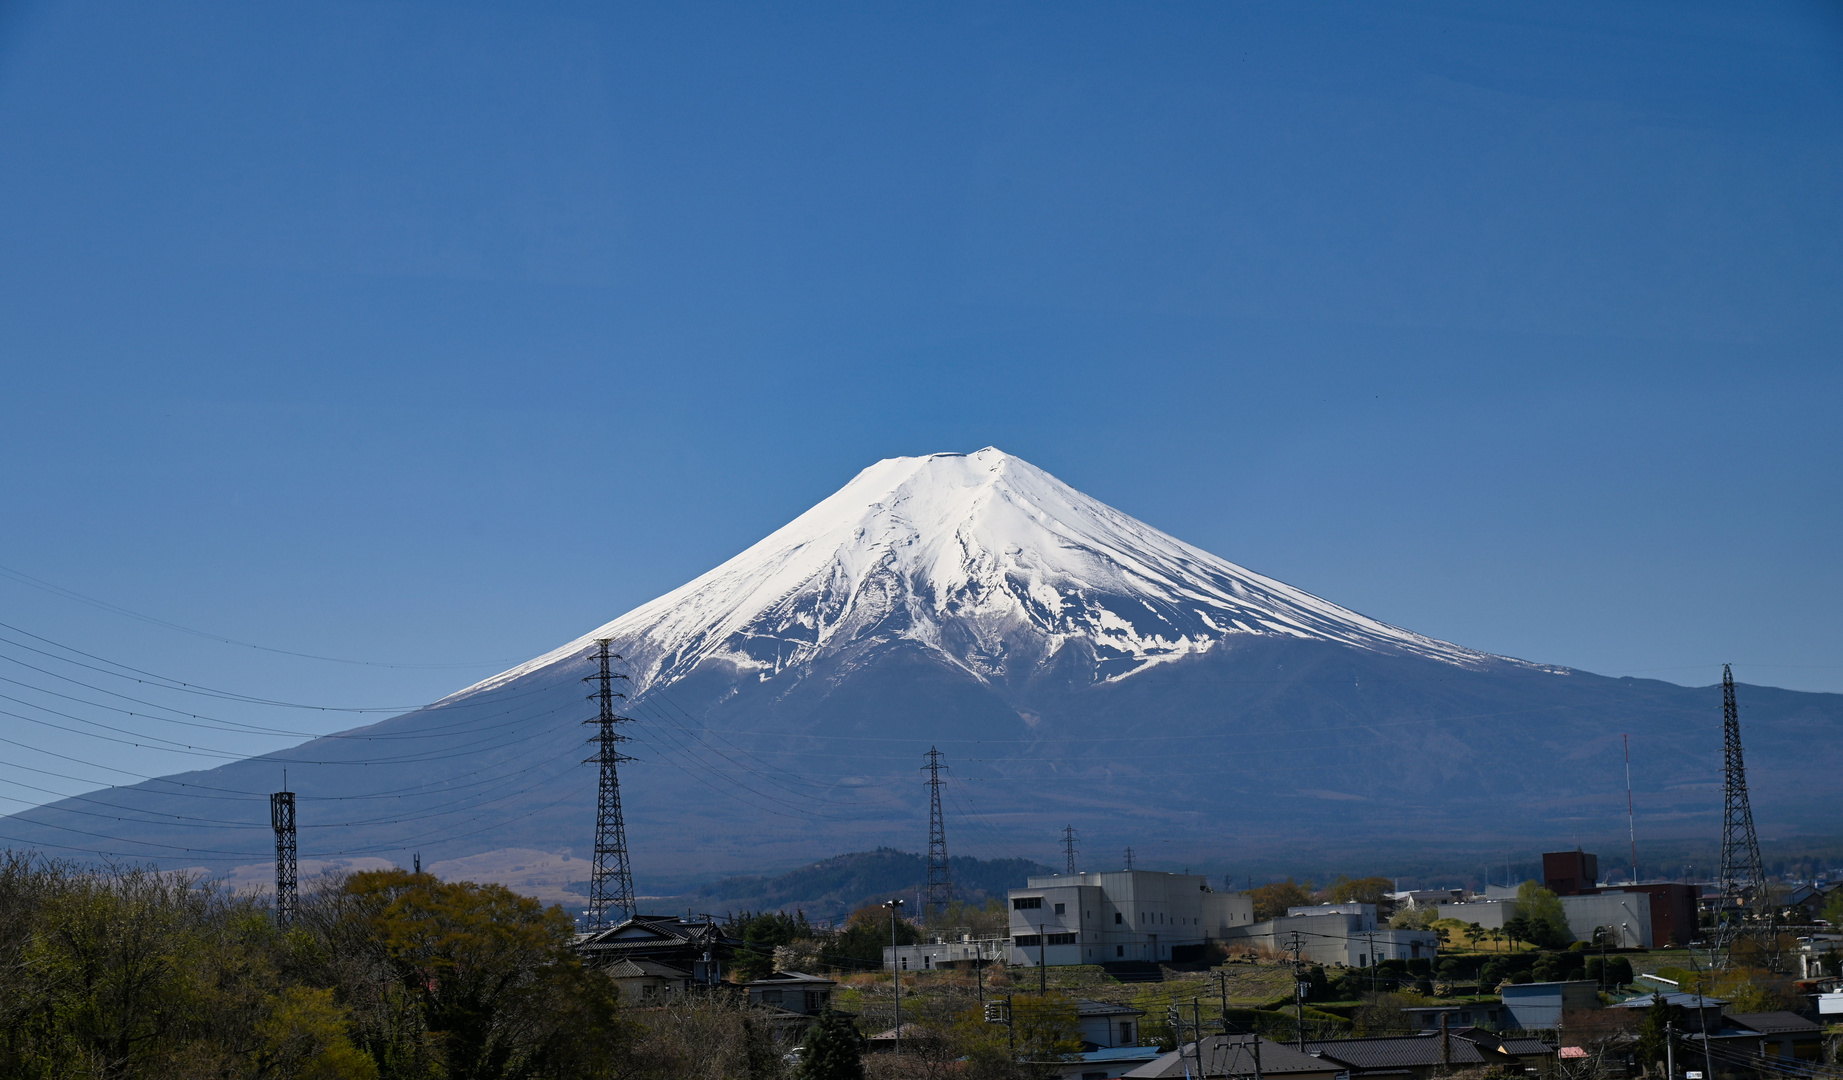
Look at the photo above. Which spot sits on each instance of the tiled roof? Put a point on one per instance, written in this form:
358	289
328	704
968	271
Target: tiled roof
1229	1056
1086	1007
1398	1051
1775	1023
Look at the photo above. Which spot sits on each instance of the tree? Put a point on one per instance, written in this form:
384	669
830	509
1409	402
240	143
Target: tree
1271	901
1618	971
1047	1028
760	934
834	1050
475	979
1546	919
860	946
1369	890
1833	907
1653	1032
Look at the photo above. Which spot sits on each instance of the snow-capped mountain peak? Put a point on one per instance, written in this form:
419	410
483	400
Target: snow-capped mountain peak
992	563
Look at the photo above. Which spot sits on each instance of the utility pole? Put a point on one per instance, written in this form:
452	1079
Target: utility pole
1670	1051
895	969
1741	867
1068	846
611	880
1196	1028
940	876
999	1012
287	883
1372	963
1298	994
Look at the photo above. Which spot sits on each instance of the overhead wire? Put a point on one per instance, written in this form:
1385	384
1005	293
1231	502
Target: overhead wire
71	594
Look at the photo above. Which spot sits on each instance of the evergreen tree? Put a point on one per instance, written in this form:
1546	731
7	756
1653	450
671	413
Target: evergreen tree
834	1050
1653	1032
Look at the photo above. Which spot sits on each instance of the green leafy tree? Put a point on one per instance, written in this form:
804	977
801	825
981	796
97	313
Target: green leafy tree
1653	1033
1618	971
1545	919
1047	1028
1833	907
761	933
834	1050
1271	901
1369	890
860	945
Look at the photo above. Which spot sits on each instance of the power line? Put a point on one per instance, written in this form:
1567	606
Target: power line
71	594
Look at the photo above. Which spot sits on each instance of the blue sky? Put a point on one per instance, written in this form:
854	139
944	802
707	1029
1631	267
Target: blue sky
440	333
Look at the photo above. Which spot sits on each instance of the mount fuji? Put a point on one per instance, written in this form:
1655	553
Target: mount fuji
1074	665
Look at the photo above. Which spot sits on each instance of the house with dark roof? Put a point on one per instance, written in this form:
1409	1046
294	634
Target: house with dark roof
1783	1035
1419	1057
1105	1025
1234	1055
697	946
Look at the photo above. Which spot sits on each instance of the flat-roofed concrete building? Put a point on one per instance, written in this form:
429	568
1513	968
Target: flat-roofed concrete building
1344	934
1124	915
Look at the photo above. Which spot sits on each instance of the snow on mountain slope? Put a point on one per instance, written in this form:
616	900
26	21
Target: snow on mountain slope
985	559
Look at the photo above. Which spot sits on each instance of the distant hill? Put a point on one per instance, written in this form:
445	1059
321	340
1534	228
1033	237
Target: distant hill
833	888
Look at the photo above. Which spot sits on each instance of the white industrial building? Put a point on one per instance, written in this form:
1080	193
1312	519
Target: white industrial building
1098	918
1344	934
1625	916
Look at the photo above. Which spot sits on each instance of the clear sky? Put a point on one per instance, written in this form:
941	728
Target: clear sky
430	334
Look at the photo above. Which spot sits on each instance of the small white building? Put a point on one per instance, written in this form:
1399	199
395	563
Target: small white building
1344	934
1099	918
964	951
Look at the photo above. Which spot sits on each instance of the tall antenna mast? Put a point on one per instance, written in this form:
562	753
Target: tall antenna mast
287	882
940	877
1742	872
1068	846
611	880
1631	822
1129	858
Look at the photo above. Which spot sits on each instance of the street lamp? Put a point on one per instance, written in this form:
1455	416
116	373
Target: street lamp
895	969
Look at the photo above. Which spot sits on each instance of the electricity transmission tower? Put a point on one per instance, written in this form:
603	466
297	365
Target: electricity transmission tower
1068	846
940	877
1742	872
287	882
611	881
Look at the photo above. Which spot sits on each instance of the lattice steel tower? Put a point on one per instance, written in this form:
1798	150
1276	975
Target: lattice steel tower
287	882
1068	846
611	880
1742	871
940	877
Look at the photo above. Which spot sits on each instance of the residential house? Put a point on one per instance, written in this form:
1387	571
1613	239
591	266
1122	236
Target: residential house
1539	1006
1434	1054
1235	1056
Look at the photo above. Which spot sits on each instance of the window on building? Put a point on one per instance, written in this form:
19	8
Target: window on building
905	963
1027	941
1059	908
1118	919
1119	950
1062	939
1025	903
1126	1033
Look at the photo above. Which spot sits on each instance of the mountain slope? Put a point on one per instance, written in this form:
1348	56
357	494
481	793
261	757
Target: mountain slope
1077	667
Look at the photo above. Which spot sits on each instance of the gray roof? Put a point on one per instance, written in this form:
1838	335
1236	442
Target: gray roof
1087	1007
1775	1023
1398	1051
1229	1056
791	978
1687	1001
632	968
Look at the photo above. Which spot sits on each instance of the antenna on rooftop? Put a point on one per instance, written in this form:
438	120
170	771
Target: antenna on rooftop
611	880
